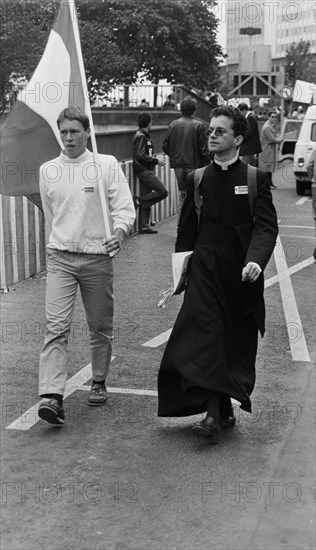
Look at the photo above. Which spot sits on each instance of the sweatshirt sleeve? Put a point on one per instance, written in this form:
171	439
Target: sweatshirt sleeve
120	200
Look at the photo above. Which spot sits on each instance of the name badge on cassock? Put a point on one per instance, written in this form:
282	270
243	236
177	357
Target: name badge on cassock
241	190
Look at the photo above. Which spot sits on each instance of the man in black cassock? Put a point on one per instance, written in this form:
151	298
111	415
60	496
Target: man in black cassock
210	356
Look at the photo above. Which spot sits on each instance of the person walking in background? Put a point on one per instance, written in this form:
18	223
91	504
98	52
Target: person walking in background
211	353
251	145
186	145
152	190
269	142
79	254
311	170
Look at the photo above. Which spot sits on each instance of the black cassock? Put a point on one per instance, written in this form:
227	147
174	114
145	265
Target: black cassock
213	343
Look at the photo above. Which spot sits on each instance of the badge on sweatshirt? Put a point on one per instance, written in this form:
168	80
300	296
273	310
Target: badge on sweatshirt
241	190
87	189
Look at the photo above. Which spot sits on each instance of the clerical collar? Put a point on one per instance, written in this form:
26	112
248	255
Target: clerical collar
224	165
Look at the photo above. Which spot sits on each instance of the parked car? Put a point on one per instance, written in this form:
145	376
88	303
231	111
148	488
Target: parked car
305	145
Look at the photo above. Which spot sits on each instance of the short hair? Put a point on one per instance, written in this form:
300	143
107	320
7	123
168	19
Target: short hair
239	126
188	106
243	107
74	113
144	119
272	113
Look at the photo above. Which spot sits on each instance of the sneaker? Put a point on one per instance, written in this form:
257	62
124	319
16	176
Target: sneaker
273	186
50	410
98	395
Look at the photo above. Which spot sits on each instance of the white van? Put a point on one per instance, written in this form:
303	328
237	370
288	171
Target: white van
304	147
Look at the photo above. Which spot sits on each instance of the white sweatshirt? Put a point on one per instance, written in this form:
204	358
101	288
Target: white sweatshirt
71	201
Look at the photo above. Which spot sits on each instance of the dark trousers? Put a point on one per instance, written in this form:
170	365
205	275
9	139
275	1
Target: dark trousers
270	177
152	190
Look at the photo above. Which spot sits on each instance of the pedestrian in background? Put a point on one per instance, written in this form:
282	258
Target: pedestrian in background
79	254
311	170
186	145
251	145
152	190
211	353
269	141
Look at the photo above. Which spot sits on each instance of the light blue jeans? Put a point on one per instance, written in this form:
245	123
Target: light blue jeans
94	275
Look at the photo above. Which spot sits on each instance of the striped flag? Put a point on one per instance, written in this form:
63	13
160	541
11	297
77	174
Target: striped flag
29	136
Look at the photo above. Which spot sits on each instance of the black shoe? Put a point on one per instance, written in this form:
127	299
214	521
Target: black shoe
273	186
148	231
50	411
208	428
228	422
227	417
98	395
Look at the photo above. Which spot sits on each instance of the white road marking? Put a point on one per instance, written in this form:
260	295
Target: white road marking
284	275
298	226
293	321
301	201
158	340
295	236
129	391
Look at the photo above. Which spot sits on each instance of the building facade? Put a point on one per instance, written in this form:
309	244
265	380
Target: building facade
272	23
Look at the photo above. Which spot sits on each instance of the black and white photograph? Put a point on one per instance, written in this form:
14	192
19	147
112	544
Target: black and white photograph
157	274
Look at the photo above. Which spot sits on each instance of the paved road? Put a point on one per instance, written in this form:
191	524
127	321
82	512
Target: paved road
118	477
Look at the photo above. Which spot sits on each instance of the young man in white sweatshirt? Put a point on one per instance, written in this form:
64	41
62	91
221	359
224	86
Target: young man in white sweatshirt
79	254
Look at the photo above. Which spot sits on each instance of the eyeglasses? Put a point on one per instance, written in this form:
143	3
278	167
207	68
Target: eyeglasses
218	132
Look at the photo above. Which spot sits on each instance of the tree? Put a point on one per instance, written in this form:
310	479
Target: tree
300	55
24	28
174	40
121	39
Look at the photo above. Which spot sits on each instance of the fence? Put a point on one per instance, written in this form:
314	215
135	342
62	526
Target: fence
22	227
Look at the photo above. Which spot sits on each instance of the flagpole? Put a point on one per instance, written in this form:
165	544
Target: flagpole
104	205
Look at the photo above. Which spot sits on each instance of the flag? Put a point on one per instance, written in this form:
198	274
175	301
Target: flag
29	136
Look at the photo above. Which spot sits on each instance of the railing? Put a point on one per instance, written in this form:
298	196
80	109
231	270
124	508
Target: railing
22	227
142	96
153	96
